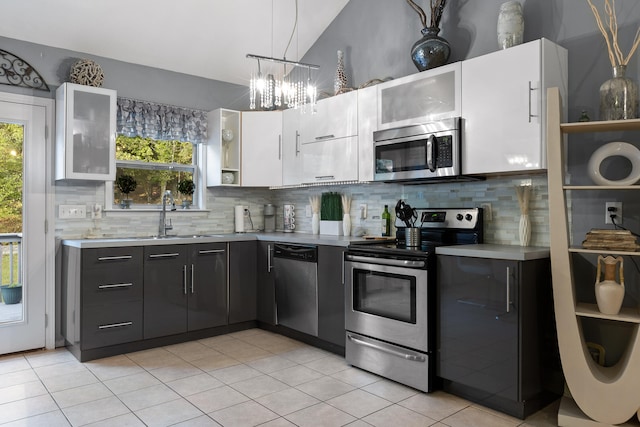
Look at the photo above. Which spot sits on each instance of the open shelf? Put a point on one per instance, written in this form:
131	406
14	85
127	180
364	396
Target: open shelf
601	126
601	187
603	251
627	314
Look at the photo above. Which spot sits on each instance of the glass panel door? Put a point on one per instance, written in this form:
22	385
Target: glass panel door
22	218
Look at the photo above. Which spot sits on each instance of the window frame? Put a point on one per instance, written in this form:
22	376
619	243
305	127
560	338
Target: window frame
198	169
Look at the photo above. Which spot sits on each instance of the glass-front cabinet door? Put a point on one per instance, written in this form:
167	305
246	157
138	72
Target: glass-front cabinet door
85	132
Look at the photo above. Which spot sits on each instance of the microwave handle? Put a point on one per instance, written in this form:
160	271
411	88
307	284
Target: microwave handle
432	153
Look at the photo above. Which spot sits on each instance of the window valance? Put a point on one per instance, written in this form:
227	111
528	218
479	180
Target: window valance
161	122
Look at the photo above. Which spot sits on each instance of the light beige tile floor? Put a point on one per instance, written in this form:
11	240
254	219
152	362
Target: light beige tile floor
247	378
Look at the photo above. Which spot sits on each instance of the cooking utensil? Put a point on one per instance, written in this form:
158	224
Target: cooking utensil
406	213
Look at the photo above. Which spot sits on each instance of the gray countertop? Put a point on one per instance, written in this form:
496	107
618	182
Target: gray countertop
301	238
516	253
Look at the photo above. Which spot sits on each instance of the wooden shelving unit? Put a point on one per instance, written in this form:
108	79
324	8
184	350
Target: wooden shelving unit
601	395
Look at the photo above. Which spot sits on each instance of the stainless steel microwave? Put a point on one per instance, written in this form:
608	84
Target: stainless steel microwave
418	152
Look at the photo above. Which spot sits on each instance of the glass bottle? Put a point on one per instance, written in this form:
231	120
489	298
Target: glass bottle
386	221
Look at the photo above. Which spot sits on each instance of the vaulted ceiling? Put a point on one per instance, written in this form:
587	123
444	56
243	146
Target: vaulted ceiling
206	38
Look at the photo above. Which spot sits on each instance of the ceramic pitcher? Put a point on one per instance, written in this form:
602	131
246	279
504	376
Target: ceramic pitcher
609	293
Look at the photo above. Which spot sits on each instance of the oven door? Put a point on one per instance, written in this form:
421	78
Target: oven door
387	300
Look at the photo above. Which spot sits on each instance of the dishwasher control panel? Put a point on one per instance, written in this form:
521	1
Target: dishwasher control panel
296	252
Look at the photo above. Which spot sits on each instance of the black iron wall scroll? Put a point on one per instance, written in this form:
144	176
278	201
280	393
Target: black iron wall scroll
16	71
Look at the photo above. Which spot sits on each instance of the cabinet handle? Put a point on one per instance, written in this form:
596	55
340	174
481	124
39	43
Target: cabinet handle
279	147
531	89
192	280
164	255
115	285
269	258
211	251
114	258
343	278
297	143
325	178
508	290
115	325
320	138
184	278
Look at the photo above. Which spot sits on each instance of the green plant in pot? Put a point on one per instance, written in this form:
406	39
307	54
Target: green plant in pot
331	214
186	187
126	184
12	293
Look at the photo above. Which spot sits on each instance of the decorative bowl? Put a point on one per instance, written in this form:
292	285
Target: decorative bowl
228	177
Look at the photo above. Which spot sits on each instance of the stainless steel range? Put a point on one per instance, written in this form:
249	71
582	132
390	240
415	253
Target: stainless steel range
391	296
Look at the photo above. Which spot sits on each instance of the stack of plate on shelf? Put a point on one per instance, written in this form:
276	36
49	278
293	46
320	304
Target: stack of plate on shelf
621	240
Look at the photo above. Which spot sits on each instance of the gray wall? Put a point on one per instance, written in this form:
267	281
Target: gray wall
376	36
130	80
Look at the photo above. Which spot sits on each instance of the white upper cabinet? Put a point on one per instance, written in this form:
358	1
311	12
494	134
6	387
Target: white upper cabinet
503	107
223	148
330	160
85	133
336	117
420	98
291	155
261	164
367	120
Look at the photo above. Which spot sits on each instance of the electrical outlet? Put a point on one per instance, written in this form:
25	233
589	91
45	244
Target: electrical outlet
613	208
96	211
72	211
486	211
363	211
307	211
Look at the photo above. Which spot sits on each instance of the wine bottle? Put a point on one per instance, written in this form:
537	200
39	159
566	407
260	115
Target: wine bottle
386	221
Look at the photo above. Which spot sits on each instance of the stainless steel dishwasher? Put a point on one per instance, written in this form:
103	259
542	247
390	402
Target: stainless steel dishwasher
296	280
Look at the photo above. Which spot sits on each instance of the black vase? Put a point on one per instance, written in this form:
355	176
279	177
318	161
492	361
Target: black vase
430	51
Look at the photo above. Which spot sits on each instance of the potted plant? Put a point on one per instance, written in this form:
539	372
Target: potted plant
12	293
331	214
126	184
186	187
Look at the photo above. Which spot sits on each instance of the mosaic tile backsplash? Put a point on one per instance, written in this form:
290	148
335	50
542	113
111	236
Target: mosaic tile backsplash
498	192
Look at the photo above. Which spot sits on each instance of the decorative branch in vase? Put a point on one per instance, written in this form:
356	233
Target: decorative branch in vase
619	95
431	50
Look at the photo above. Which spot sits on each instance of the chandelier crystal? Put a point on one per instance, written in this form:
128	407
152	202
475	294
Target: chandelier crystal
289	90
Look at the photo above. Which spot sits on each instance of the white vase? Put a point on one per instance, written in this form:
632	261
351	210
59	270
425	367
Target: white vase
524	230
346	224
609	293
510	25
315	223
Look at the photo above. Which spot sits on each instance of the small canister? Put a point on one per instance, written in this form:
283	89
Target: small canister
412	237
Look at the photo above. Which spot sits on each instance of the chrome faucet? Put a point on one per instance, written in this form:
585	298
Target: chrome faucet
164	227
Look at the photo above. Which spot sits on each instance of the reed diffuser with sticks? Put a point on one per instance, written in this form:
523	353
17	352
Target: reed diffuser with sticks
619	95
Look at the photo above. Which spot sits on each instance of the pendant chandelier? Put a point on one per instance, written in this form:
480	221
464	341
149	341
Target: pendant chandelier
292	89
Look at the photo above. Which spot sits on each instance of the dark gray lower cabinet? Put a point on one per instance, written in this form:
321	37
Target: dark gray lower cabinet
101	297
331	294
207	290
266	288
243	259
496	332
184	288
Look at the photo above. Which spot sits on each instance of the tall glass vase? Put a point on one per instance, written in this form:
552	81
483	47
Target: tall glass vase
510	24
431	50
619	96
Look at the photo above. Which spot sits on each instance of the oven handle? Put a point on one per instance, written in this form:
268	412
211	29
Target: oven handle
408	356
384	261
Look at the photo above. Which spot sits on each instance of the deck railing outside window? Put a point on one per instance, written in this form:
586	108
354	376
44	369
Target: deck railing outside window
11	266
